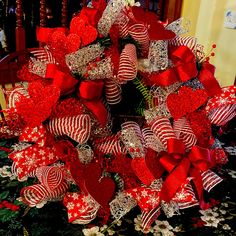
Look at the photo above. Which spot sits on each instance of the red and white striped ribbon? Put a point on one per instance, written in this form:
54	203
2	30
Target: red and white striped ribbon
147	218
110	144
139	33
128	64
220	116
151	140
184	132
187	41
210	180
113	92
162	128
76	127
49	176
44	55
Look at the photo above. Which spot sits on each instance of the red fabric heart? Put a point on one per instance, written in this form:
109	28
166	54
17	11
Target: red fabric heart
141	170
152	162
88	35
101	190
186	101
72	43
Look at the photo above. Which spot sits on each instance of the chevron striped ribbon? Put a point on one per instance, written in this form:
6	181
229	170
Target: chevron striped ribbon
188	41
44	54
220	116
15	95
113	92
111	144
147	218
139	33
184	132
151	140
128	64
210	180
162	128
76	127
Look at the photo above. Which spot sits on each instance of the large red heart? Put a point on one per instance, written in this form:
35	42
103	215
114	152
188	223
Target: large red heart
186	101
88	35
153	164
141	170
101	190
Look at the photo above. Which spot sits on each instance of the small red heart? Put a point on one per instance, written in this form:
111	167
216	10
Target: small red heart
186	101
141	170
88	35
153	164
72	43
101	190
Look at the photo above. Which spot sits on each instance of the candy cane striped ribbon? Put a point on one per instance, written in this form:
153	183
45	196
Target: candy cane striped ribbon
113	92
184	132
151	140
76	127
111	144
187	41
147	218
37	194
128	64
49	176
210	180
139	33
220	116
44	54
162	128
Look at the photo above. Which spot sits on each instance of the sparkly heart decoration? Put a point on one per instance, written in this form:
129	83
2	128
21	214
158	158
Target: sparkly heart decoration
72	43
186	101
88	35
141	170
101	189
77	25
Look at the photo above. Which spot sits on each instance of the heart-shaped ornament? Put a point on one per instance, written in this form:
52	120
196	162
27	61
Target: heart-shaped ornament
72	43
101	189
89	35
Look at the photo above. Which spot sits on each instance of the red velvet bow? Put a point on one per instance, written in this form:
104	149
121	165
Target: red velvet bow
184	69
207	78
90	92
60	79
180	165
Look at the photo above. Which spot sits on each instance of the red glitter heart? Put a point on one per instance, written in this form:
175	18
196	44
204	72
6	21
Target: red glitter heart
88	35
186	101
72	43
101	190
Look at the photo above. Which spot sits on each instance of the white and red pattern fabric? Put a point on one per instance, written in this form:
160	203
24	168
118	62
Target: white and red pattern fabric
112	92
210	180
81	208
44	55
187	41
140	34
185	197
184	132
146	198
77	127
30	158
162	128
128	64
14	95
147	218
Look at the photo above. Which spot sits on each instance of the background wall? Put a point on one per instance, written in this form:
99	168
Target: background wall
207	24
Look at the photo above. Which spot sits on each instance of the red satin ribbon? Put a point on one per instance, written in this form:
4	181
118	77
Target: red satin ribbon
184	69
191	164
64	81
90	92
207	78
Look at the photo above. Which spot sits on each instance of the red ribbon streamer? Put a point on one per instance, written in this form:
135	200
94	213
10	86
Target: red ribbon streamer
91	92
181	165
184	69
207	78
